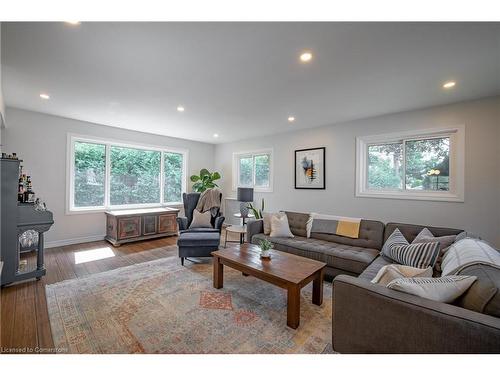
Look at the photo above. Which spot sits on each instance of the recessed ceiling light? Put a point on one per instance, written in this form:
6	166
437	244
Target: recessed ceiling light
306	56
180	108
44	96
216	135
74	23
291	119
449	85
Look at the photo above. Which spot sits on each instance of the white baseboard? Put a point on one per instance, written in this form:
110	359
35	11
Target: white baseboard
73	241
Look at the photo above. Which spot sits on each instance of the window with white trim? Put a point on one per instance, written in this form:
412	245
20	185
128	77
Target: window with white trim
253	169
426	165
106	174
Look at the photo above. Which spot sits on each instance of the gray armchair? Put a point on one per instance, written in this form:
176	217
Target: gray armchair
197	242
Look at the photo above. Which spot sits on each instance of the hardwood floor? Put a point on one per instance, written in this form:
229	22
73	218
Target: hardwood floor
24	321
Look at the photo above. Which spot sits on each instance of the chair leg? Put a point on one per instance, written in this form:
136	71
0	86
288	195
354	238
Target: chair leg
182	261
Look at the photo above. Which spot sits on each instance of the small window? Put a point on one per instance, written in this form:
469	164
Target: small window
424	165
253	169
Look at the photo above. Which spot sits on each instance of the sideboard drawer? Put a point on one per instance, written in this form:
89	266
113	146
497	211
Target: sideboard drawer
167	223
129	227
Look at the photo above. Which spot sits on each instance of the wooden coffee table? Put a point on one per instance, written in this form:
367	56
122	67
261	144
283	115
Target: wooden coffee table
288	271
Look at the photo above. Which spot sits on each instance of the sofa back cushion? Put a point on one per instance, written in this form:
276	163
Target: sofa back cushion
371	234
410	231
484	295
297	222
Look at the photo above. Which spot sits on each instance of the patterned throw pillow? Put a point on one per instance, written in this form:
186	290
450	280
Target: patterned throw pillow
442	289
395	239
420	255
445	242
391	272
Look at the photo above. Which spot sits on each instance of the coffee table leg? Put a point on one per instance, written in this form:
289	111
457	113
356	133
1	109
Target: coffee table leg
293	308
218	273
318	288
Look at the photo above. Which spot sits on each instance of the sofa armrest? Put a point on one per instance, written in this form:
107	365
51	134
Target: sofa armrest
254	227
370	318
182	222
218	222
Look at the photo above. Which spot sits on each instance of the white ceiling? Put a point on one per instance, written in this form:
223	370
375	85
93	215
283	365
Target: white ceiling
241	80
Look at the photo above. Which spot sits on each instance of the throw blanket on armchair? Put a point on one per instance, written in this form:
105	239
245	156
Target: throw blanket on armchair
329	224
468	252
209	200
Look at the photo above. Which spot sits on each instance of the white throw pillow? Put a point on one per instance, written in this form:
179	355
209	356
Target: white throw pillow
201	219
280	227
396	271
266	217
442	289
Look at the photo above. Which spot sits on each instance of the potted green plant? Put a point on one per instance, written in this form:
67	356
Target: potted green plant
205	180
257	213
265	248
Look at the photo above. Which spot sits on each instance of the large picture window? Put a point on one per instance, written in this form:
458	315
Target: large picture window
418	165
253	169
105	174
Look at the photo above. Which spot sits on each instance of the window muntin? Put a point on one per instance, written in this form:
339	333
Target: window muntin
128	175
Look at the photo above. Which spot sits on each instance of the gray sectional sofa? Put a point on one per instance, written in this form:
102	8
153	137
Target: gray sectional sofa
370	318
341	254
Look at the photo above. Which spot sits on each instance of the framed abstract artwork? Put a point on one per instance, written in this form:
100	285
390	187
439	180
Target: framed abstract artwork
310	168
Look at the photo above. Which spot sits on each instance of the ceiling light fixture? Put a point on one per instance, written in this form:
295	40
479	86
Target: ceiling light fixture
44	96
180	108
74	23
306	56
216	135
291	119
449	85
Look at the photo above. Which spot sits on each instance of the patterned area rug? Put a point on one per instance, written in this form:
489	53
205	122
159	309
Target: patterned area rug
161	307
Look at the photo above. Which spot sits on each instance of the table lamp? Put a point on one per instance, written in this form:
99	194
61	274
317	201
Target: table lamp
244	195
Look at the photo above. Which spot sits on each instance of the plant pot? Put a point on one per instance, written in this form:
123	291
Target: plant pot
265	254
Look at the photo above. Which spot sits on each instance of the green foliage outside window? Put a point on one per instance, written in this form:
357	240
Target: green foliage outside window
90	169
135	176
173	177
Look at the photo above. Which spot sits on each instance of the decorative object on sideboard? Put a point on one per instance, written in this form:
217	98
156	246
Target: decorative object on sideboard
23	226
310	168
265	249
205	180
244	195
256	212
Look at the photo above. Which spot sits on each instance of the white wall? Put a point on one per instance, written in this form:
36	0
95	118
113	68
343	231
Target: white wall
40	140
479	213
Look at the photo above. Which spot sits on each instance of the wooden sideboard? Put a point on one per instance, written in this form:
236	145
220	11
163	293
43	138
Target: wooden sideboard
141	224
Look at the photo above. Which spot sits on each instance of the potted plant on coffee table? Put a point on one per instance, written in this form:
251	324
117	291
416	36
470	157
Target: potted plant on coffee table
265	249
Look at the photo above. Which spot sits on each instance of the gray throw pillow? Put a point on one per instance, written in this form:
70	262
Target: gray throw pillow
425	236
201	219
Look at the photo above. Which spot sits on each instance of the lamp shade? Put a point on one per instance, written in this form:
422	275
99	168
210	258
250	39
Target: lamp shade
245	194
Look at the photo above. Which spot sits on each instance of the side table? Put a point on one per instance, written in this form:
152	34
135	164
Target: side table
240	229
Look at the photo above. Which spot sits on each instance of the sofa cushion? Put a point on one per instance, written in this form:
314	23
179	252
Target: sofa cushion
198	239
297	222
371	271
371	234
410	231
484	295
349	258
